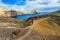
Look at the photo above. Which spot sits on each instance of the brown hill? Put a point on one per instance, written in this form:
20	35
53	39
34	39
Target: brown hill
8	13
46	27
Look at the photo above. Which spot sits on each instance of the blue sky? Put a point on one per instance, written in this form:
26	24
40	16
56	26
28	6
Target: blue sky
27	5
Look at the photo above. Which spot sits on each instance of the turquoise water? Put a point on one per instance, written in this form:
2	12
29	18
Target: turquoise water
25	16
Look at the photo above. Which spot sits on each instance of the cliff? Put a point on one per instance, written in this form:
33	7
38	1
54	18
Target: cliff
7	12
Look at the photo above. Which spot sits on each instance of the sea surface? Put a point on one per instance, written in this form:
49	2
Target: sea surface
26	16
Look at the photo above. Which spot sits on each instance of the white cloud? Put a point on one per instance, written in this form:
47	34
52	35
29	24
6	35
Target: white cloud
53	3
32	5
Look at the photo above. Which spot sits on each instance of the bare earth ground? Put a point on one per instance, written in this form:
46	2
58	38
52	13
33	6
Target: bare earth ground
43	29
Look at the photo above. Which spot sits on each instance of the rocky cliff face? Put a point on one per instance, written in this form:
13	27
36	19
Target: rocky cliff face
2	12
8	13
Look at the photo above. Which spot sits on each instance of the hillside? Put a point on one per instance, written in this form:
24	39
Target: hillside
46	27
11	28
43	27
2	11
56	13
7	12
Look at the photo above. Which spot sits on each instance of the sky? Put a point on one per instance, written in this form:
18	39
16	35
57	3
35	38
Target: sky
27	5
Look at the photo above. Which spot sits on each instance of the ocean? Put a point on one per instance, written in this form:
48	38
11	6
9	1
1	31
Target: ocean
26	16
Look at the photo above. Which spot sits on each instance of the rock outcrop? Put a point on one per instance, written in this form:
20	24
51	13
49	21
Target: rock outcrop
9	13
2	12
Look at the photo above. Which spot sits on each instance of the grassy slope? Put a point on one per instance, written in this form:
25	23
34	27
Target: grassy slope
56	13
46	27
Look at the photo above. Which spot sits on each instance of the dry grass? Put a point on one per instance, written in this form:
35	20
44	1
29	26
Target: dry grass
46	27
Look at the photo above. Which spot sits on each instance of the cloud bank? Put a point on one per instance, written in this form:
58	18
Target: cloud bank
40	5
